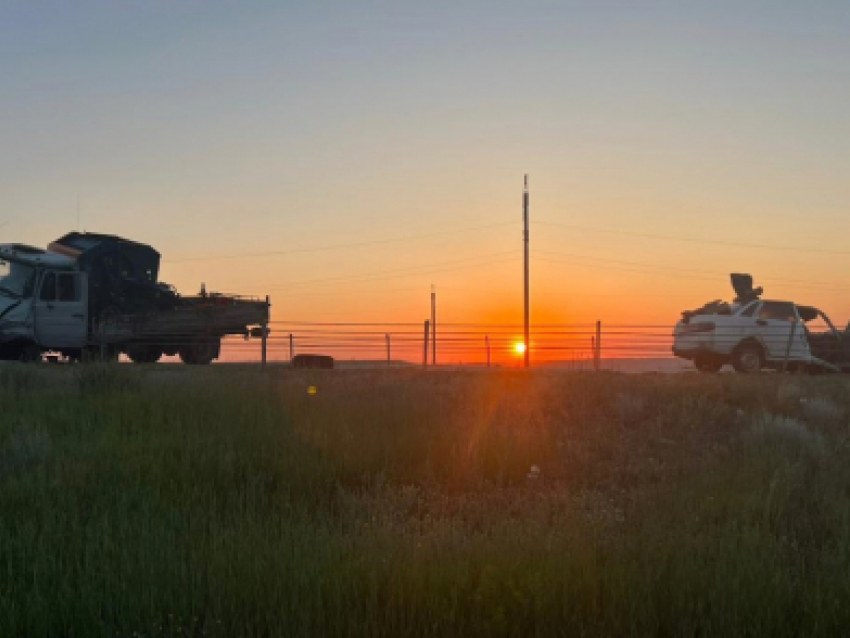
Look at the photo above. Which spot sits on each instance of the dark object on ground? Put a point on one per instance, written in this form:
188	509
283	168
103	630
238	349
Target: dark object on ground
316	361
743	285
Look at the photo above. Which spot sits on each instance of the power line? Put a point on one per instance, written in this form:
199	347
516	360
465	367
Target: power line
696	274
362	244
719	242
402	272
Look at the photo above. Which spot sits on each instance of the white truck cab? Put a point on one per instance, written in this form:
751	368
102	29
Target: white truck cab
43	300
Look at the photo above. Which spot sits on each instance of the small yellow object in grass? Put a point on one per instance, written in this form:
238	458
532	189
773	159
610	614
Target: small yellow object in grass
312	390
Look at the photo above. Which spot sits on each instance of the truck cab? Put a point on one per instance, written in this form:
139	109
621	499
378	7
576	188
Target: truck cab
43	300
94	295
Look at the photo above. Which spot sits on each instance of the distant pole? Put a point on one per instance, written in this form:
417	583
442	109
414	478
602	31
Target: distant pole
598	345
291	348
525	241
425	345
389	358
487	345
433	325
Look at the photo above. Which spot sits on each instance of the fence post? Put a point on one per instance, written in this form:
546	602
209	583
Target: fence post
598	360
593	351
487	345
788	347
291	348
433	325
265	335
264	345
389	358
425	345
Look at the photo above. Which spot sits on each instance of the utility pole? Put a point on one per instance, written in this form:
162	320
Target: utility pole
487	345
291	348
433	325
525	241
389	358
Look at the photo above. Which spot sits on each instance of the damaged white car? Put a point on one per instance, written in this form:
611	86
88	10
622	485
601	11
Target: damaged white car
753	334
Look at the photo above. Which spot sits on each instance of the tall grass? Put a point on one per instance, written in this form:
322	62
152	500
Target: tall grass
164	501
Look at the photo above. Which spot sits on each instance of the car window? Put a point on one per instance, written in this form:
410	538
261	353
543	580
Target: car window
48	287
778	310
750	310
68	289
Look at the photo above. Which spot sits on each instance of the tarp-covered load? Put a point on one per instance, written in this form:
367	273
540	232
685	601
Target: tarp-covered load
122	273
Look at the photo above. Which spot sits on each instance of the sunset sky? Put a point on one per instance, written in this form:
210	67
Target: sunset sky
212	129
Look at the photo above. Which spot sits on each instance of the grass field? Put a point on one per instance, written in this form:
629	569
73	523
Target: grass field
171	501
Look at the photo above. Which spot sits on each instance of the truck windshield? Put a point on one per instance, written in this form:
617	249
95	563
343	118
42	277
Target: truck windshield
16	279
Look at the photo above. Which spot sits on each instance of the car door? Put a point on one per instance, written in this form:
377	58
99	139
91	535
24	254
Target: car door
774	325
60	310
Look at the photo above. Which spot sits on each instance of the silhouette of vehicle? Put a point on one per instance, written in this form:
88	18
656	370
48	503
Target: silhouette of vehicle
753	334
97	296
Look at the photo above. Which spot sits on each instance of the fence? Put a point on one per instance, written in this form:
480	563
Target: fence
574	345
577	344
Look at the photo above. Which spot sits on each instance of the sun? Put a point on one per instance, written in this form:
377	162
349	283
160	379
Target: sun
519	348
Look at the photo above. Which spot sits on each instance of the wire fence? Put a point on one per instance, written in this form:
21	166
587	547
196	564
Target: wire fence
571	345
456	344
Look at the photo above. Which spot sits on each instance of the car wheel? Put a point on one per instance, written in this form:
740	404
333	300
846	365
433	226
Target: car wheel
748	358
708	363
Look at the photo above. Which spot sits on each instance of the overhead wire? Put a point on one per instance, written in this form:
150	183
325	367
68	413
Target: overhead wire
345	246
720	242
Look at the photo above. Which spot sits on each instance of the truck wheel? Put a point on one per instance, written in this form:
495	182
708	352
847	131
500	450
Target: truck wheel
30	353
144	354
96	354
748	358
201	352
708	363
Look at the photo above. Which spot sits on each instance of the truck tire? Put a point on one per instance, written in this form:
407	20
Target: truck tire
144	354
96	354
748	358
30	353
201	352
708	363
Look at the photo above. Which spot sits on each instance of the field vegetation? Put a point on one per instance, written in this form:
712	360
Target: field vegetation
165	501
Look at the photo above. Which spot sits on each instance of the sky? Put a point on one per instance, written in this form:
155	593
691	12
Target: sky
378	148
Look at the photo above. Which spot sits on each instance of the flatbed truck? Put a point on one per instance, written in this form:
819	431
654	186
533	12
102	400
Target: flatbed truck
93	296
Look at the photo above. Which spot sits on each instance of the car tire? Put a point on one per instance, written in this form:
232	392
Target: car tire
748	358
708	363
